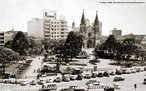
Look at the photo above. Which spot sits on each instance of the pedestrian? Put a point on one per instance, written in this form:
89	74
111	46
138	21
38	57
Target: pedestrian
91	71
38	76
34	71
135	86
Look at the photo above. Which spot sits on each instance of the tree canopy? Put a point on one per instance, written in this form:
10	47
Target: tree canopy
20	43
73	44
7	55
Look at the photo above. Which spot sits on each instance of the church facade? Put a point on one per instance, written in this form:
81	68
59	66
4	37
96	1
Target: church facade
91	34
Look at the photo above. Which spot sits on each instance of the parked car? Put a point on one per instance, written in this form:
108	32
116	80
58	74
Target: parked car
72	77
91	82
126	71
24	82
95	84
94	75
138	69
144	68
94	61
77	71
144	82
33	82
112	73
58	79
106	74
119	79
41	81
50	80
79	77
100	75
118	72
87	76
116	86
133	70
65	78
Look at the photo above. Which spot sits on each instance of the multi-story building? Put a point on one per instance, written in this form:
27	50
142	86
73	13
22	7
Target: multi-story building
117	33
1	39
143	40
54	29
35	28
9	35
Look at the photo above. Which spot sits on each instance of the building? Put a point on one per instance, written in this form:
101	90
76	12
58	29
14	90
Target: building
54	29
138	38
74	28
9	35
143	40
35	28
117	33
91	34
1	39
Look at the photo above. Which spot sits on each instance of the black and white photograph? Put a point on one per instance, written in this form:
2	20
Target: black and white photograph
72	45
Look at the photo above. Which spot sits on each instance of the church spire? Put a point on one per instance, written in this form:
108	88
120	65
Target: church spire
73	24
96	22
83	18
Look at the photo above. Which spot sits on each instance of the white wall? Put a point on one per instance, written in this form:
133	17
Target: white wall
35	28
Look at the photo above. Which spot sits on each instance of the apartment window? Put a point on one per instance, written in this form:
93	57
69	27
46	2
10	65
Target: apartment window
48	28
47	35
62	36
2	38
47	31
62	32
2	34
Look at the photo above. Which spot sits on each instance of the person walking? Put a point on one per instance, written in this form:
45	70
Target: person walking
135	86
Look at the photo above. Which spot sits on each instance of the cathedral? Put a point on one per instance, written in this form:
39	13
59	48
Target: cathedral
91	34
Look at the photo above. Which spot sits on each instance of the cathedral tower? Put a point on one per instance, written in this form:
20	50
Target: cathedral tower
96	29
83	25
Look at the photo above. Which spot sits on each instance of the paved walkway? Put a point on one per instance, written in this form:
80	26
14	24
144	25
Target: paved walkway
35	65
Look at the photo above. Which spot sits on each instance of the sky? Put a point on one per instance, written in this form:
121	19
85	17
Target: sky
130	18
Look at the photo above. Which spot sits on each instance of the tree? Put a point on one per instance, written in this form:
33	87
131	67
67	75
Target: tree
20	43
6	56
73	45
130	47
35	47
8	44
109	46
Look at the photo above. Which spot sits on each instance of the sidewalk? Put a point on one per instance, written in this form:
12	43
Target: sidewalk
35	65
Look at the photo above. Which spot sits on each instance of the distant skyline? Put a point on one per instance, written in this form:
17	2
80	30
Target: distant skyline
130	18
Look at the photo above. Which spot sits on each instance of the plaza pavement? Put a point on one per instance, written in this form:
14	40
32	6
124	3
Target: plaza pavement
34	66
